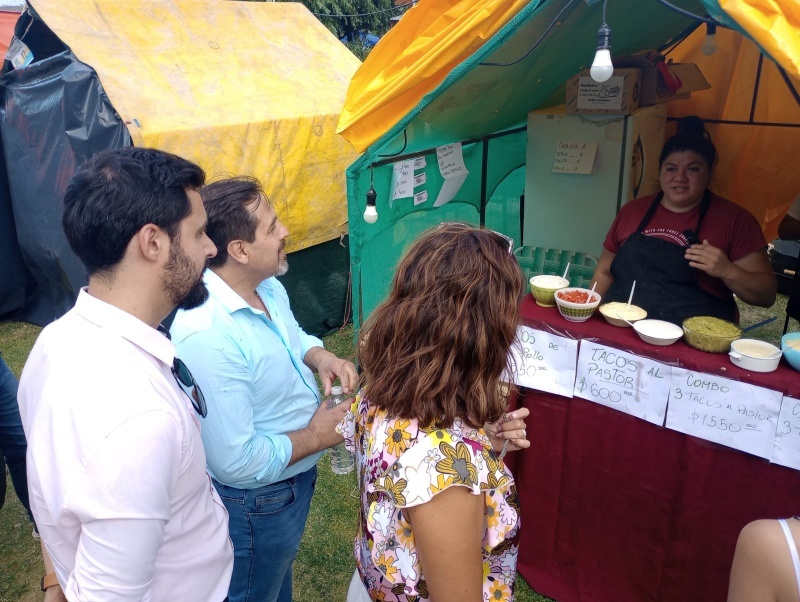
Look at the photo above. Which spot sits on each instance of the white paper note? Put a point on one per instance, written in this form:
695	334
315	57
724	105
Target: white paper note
403	180
420	179
420	197
725	411
574	157
419	162
453	170
786	450
19	54
606	95
623	381
544	361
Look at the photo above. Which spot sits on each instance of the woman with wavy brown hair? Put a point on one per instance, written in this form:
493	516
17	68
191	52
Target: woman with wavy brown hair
439	515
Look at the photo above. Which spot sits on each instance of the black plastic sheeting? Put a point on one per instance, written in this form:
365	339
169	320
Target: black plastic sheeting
318	283
54	115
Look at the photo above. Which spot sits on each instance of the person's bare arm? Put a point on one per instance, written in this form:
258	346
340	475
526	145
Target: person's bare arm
602	273
762	568
448	532
750	278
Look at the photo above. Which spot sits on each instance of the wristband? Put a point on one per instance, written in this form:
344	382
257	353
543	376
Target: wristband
48	581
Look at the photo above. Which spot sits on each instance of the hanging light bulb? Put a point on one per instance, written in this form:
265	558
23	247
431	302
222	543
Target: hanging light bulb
602	68
709	46
371	213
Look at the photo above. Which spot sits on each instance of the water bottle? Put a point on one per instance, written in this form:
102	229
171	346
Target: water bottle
342	460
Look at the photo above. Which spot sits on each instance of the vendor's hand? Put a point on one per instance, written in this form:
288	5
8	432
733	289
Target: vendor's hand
510	428
709	259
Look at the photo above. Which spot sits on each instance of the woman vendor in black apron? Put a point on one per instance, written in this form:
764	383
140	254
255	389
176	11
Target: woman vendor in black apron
677	274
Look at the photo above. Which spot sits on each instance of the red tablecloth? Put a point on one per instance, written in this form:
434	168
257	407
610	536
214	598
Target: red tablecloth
616	509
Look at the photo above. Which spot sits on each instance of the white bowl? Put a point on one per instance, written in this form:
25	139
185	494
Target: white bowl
658	332
755	355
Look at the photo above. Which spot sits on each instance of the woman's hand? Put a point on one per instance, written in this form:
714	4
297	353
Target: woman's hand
750	278
510	428
710	259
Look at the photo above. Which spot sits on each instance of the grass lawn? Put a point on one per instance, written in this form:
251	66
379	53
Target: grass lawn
325	563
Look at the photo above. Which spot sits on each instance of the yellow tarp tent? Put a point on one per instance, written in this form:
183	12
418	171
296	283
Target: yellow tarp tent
246	88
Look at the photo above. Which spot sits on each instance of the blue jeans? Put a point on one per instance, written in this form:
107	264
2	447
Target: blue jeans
266	525
13	445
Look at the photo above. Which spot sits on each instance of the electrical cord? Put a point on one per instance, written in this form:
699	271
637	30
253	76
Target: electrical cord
539	41
377	12
400	152
686	13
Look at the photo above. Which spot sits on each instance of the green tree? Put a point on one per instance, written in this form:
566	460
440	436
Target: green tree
347	17
375	15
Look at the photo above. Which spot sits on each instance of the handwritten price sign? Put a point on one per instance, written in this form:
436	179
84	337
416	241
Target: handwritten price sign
725	411
623	381
786	450
544	361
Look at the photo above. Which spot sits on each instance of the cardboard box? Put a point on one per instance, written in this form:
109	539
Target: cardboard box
654	90
617	96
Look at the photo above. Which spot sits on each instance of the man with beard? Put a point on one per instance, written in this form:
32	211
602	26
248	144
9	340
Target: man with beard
265	428
116	467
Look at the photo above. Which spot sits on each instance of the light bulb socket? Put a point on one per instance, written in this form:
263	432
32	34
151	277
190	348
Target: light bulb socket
604	37
372	196
711	29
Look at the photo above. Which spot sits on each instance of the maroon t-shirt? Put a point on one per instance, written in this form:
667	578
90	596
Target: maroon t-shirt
726	226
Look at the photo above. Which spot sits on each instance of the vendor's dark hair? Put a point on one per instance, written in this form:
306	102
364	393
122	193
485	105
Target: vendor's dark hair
437	347
691	136
230	216
116	193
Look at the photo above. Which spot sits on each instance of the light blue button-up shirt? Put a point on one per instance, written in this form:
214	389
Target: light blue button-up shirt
257	388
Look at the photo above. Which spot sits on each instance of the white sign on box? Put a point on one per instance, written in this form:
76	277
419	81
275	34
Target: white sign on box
623	381
544	361
606	95
786	450
725	411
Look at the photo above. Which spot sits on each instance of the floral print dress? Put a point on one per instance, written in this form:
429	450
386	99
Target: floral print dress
401	465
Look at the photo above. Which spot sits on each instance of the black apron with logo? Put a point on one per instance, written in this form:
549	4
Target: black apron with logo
666	286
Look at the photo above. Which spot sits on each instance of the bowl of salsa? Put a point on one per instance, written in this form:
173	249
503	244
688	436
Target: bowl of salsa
576	304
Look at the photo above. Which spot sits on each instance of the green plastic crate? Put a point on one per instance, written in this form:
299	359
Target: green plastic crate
553	262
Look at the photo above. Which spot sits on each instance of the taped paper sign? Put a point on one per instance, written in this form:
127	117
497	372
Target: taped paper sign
728	412
420	197
786	450
453	170
544	361
623	381
574	157
419	162
402	180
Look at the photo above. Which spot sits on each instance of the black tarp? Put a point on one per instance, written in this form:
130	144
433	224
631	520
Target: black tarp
54	115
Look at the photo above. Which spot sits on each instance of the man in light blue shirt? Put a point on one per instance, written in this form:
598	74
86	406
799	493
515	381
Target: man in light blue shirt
266	427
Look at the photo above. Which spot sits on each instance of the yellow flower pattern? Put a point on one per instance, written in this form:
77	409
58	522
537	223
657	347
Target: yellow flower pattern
400	465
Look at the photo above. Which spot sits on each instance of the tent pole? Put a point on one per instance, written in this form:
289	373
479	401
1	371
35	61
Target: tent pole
484	175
